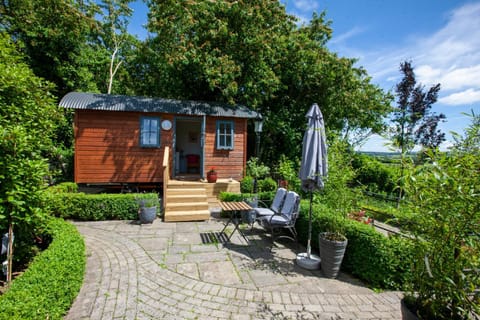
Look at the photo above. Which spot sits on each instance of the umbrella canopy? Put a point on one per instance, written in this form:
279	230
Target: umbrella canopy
312	171
314	164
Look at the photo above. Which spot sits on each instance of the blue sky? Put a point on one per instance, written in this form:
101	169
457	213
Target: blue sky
440	37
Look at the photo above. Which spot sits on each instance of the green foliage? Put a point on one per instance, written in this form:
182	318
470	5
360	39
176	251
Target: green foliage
374	175
22	173
64	187
147	200
287	171
266	197
401	217
382	262
52	281
257	170
97	207
56	36
61	160
267	184
445	194
246	185
337	194
257	56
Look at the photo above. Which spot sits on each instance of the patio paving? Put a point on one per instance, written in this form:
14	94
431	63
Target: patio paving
186	270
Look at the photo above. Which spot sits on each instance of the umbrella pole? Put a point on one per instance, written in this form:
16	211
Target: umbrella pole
309	247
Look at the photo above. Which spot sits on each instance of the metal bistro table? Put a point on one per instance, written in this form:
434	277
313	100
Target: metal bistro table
235	209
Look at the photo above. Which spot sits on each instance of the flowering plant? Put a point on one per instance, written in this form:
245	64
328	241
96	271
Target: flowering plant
360	217
212	170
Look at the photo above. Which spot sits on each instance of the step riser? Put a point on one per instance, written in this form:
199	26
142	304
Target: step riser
174	207
187	216
186	202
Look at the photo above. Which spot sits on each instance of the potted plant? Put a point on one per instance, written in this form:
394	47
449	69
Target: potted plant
147	211
332	245
445	274
212	175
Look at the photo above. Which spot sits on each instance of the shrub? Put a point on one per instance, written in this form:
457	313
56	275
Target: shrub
375	175
266	197
256	169
286	170
51	283
246	185
382	262
97	207
64	187
446	195
267	184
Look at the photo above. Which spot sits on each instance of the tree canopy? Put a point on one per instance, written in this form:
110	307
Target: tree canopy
414	121
246	52
253	53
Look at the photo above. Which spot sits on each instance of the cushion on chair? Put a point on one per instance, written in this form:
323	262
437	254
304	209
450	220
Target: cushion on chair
289	204
264	212
276	220
278	199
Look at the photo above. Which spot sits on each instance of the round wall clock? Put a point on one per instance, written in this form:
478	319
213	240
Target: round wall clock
166	125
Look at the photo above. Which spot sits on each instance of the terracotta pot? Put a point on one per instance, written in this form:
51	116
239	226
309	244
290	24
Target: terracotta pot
212	177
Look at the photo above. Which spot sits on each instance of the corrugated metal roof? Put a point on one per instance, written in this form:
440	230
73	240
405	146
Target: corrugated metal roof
107	102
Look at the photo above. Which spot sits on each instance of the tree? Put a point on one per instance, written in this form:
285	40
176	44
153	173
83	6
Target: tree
413	119
253	53
114	39
27	122
54	35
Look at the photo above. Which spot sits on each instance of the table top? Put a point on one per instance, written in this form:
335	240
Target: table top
235	206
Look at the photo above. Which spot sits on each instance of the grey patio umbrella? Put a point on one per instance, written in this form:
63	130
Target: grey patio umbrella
313	169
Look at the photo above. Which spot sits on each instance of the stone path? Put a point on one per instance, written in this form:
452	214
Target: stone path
186	271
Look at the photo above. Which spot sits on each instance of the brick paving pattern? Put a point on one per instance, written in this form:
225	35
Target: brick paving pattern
185	271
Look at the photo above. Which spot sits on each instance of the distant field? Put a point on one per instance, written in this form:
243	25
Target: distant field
387	157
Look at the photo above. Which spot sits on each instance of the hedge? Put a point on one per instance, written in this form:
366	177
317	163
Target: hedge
382	262
97	207
49	286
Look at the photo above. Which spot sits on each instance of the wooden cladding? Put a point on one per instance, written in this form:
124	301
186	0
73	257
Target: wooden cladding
227	163
107	149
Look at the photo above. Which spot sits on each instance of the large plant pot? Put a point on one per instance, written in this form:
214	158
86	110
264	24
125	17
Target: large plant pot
407	314
147	214
331	254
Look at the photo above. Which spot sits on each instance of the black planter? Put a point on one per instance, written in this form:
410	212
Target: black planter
147	214
331	255
407	313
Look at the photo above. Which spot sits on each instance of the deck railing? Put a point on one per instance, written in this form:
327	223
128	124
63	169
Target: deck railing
166	175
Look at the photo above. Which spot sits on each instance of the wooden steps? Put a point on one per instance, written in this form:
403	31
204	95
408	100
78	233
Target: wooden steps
186	201
193	200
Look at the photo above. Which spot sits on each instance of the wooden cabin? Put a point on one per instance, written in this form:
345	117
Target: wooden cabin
121	140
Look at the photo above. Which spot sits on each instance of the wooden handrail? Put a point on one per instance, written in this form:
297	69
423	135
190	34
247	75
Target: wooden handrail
166	175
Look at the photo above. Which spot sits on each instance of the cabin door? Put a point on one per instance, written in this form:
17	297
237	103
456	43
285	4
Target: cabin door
189	147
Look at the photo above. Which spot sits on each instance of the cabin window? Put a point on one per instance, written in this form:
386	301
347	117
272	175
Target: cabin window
225	135
149	132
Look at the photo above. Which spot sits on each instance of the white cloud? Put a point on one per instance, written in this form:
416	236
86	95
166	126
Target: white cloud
466	97
306	5
450	56
346	35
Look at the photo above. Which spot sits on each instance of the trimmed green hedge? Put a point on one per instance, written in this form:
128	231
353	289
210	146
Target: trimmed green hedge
382	262
98	207
48	287
266	197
